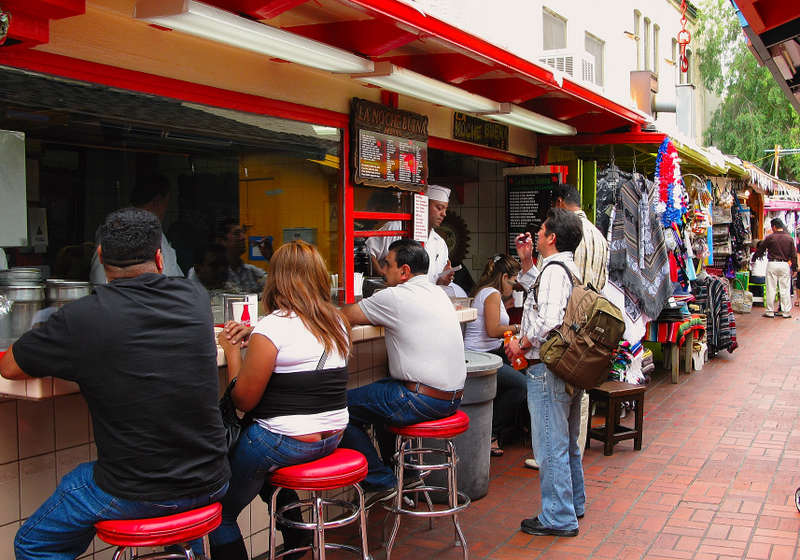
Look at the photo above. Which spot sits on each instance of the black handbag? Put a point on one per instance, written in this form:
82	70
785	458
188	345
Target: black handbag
234	426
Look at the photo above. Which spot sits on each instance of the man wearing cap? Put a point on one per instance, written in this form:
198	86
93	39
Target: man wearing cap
436	247
426	362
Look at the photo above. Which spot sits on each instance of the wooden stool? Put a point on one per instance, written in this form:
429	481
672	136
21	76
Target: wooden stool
343	467
613	394
411	454
176	529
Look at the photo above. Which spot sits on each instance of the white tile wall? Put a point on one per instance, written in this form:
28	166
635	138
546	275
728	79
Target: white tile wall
8	434
7	533
9	493
37	481
36	427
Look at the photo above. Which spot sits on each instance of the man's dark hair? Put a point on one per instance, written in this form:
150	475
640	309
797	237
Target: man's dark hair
130	236
567	226
200	254
777	223
223	226
148	187
412	253
568	193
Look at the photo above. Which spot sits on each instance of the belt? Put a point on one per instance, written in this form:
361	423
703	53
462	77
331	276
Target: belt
421	389
534	361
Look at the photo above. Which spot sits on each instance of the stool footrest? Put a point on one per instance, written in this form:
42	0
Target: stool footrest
463	500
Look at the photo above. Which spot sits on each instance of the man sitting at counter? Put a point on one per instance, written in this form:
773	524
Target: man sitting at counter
142	350
246	277
426	362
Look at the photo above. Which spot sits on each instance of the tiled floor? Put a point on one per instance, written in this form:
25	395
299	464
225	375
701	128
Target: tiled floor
715	478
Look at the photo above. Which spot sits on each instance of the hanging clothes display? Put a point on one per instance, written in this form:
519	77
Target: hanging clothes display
609	180
713	298
638	260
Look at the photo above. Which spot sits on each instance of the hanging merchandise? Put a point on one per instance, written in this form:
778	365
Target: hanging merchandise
672	198
609	180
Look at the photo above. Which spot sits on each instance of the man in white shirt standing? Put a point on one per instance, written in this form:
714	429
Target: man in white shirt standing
555	408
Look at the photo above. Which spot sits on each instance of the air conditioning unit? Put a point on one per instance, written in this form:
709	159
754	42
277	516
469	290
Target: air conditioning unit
578	65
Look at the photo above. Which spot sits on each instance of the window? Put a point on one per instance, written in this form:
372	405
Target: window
675	51
554	34
596	47
684	78
656	29
647	44
637	17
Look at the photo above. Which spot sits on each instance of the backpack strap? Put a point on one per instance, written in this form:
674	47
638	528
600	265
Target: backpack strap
572	277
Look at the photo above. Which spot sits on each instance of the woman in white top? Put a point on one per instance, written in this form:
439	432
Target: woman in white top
292	383
485	334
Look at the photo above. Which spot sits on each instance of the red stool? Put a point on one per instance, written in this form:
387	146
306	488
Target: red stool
411	455
176	529
343	467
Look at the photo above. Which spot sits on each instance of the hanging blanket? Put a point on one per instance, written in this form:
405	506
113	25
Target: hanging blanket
638	253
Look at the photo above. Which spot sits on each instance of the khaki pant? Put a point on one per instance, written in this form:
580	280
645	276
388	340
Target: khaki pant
779	275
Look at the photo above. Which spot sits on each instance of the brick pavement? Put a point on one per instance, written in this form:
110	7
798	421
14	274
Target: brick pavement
715	478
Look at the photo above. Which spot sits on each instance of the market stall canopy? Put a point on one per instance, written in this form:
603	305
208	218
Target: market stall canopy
779	205
397	33
773	28
765	183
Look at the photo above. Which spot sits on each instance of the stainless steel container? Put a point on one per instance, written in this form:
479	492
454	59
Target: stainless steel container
20	276
58	292
27	300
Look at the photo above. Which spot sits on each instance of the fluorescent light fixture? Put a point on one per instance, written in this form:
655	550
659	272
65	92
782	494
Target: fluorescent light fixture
517	116
391	77
202	20
325	130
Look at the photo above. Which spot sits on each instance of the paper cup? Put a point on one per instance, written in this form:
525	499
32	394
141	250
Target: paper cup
251	316
517	298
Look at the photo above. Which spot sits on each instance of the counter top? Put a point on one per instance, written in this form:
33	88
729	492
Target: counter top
48	387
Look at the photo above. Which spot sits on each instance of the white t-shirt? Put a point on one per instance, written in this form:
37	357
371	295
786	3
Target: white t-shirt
298	350
423	335
475	337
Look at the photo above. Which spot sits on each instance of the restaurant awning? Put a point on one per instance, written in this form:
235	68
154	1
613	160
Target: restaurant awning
773	28
767	184
396	32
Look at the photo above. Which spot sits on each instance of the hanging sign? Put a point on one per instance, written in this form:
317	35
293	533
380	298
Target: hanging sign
478	131
390	147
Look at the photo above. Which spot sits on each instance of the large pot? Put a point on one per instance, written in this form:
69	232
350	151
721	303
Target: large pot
58	292
27	300
20	276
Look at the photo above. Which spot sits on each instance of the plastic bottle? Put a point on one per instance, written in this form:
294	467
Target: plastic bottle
519	362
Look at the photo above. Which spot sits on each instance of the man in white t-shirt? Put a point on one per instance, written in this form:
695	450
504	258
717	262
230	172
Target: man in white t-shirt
426	362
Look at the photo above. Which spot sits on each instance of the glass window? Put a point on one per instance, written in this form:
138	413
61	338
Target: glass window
656	29
555	31
596	47
646	42
637	24
379	214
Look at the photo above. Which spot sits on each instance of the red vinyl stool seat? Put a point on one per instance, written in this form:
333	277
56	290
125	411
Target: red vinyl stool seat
413	448
176	529
342	468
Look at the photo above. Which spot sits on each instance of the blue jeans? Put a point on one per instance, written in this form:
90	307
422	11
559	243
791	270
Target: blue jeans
512	390
258	452
63	527
387	401
555	424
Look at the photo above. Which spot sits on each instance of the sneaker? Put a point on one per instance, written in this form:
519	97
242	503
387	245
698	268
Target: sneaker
787	315
534	527
532	464
768	315
372	498
412	481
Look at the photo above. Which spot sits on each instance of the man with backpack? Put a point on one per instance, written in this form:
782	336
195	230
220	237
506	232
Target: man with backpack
554	405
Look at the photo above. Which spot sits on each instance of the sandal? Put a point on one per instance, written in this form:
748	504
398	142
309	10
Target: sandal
496	451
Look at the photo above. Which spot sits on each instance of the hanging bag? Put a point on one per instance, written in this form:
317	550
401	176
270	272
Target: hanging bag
234	426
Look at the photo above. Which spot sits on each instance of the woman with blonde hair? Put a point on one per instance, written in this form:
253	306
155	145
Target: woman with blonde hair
292	383
485	334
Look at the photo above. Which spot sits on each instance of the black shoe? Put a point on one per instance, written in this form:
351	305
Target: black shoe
534	527
372	498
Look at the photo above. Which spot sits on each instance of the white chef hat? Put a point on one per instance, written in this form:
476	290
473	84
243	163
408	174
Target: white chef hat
436	192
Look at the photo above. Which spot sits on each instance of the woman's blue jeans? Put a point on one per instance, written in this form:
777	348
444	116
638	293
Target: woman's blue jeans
555	424
63	527
259	452
387	401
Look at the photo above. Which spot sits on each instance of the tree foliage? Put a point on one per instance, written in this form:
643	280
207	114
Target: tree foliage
754	114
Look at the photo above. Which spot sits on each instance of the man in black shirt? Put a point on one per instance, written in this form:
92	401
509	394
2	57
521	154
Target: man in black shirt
782	256
141	349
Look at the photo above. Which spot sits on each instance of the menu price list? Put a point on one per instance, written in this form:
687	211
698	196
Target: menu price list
391	158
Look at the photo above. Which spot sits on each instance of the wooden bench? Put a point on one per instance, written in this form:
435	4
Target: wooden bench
613	394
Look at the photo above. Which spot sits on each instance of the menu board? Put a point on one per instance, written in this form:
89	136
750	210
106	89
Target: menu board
390	147
528	198
391	158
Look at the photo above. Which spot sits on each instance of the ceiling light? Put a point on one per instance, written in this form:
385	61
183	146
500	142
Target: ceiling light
391	77
517	116
202	20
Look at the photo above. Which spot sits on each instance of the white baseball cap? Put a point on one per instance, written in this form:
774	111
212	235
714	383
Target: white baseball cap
436	192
